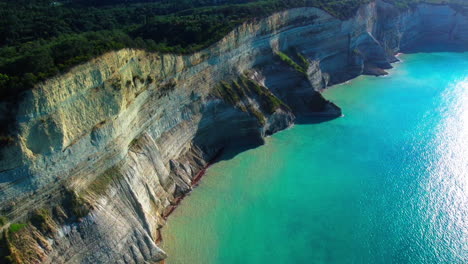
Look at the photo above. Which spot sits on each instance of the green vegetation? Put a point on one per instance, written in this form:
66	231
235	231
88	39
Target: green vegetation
285	58
42	38
295	60
269	102
302	60
15	227
226	92
235	92
20	243
19	246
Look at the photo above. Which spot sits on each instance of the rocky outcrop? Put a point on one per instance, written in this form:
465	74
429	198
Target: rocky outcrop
104	153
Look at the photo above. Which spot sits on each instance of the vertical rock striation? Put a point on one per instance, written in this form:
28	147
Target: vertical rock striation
104	153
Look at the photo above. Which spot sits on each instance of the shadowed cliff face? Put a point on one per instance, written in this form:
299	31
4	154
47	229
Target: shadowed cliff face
422	28
106	151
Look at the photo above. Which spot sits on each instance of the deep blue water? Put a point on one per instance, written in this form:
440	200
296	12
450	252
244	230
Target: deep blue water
386	183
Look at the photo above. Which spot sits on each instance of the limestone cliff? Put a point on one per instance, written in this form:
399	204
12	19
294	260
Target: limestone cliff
103	153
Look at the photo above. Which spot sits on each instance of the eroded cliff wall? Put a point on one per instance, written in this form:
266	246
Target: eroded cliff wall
103	153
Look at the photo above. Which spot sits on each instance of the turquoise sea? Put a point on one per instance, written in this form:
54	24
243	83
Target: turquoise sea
386	183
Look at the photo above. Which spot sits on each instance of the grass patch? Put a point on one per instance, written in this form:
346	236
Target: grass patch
20	246
16	227
286	59
269	103
304	63
294	59
226	91
258	115
238	91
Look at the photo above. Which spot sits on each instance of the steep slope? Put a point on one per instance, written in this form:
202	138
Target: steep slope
104	153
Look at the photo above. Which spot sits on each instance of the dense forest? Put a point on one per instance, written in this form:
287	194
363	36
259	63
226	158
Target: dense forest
41	38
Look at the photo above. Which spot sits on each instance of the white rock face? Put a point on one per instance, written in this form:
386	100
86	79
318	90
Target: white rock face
155	121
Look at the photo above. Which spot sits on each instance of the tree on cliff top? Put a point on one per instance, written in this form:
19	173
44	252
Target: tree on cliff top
41	38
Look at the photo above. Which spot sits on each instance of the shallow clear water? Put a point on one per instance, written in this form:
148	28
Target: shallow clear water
386	183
